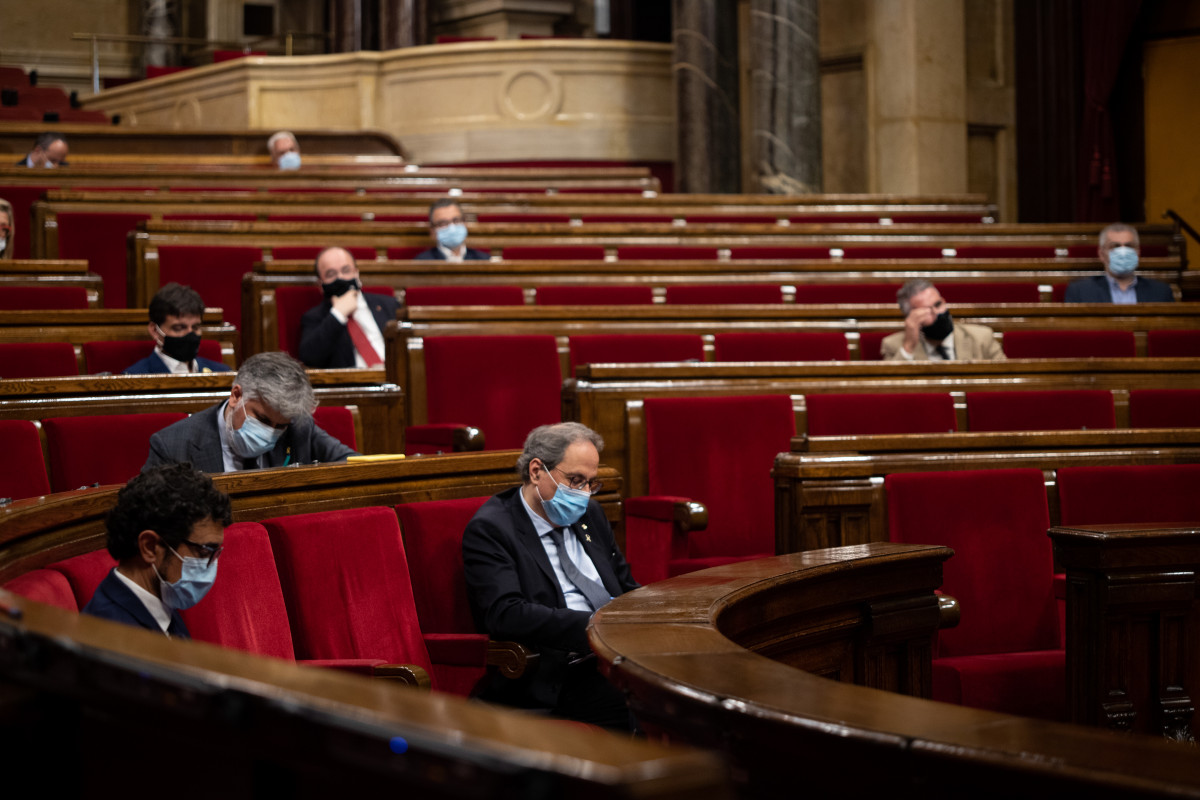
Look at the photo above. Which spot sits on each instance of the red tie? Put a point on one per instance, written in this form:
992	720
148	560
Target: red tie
362	344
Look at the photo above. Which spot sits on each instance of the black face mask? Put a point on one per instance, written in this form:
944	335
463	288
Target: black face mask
182	348
940	328
339	287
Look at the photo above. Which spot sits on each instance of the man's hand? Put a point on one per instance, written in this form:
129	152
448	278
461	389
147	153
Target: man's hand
346	303
917	319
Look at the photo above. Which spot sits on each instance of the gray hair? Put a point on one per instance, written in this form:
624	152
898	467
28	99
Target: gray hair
549	443
909	290
279	381
280	136
1117	227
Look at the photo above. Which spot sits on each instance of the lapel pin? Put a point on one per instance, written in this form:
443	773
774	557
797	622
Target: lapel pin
587	536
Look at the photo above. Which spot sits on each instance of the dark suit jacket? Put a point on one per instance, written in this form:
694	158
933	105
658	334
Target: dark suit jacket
433	254
1096	290
153	365
196	439
325	342
114	600
515	595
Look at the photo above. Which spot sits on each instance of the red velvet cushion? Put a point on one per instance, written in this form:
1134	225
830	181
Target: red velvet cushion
464	296
1069	344
1129	494
100	238
857	414
359	252
934	218
1077	409
37	360
210	217
990	292
1002	571
594	295
244	609
779	252
504	385
731	219
432	533
215	271
781	346
847	293
346	585
1058	292
22	199
897	250
665	253
522	218
635	348
1164	408
568	252
102	449
404	253
1030	684
589	219
23	469
338	422
44	586
116	357
85	573
870	345
315	218
720	451
1005	251
290	304
1185	344
16	298
724	294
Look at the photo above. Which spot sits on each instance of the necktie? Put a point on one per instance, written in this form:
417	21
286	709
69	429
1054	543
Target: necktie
596	594
941	350
362	344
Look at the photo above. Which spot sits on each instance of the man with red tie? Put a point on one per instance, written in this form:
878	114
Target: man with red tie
346	330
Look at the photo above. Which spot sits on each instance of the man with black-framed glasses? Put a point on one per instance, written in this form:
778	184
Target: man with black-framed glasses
448	230
166	533
538	560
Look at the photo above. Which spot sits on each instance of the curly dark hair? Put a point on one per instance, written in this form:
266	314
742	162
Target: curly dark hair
168	500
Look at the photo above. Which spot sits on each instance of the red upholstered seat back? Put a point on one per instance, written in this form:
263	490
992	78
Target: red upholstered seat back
665	253
719	451
1002	571
1164	408
856	414
896	250
22	199
206	217
990	292
44	586
870	345
464	296
781	346
100	238
433	538
37	360
1069	344
1005	251
778	252
847	293
346	585
566	252
116	357
504	385
408	251
16	298
290	304
85	573
1079	409
338	422
635	348
23	468
724	294
215	271
103	449
244	609
360	252
1160	344
594	295
1129	494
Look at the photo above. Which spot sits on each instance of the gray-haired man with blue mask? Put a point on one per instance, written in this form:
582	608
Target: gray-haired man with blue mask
266	422
1119	252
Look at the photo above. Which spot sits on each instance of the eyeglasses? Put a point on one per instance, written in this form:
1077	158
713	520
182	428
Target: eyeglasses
446	222
580	483
209	550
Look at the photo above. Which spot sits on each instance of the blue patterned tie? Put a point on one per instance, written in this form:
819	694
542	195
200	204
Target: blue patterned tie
596	594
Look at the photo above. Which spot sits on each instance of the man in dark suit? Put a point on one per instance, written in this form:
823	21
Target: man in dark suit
539	559
1119	251
176	316
49	150
449	234
165	532
346	330
266	422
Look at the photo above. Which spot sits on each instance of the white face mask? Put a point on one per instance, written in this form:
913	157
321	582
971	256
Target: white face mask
289	160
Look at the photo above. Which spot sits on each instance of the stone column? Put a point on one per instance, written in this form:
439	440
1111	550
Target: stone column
346	24
706	95
784	151
401	23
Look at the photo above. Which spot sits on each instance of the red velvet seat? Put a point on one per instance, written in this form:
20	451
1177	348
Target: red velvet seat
779	253
116	357
360	252
16	298
37	360
665	253
315	218
860	414
290	304
898	250
847	293
215	271
523	219
718	451
210	217
338	422
504	385
85	573
1167	344
1005	251
870	345
464	296
1129	494
406	252
1075	409
566	252
731	219
1164	408
1005	655
103	449
717	294
591	219
635	348
22	199
100	239
594	295
990	292
1069	344
781	346
23	468
44	586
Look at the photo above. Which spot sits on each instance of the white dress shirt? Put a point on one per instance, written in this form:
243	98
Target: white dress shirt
575	598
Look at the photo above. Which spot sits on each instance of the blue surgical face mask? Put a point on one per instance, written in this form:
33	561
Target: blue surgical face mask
252	439
452	236
194	582
1122	260
289	160
566	506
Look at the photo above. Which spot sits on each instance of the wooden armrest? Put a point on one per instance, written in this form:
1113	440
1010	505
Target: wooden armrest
451	437
407	674
512	659
951	613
